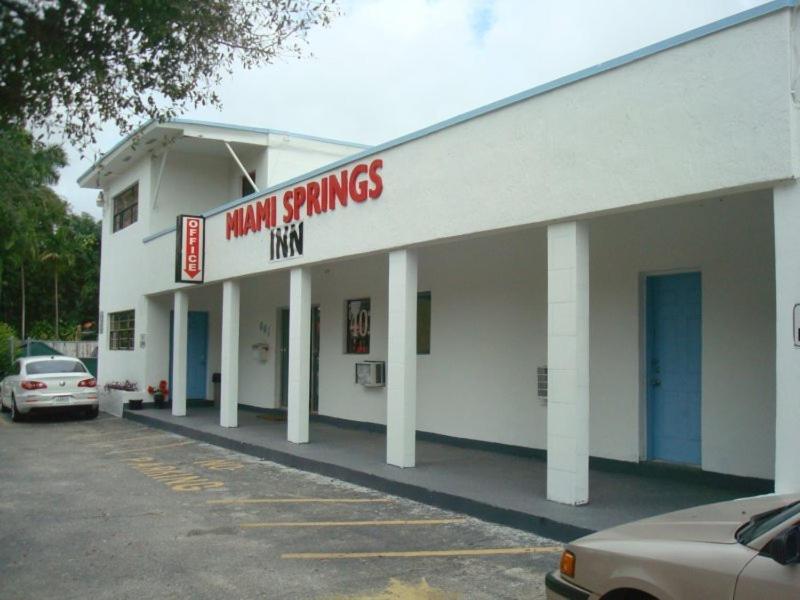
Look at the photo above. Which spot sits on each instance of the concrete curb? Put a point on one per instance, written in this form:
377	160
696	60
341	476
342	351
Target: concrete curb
562	532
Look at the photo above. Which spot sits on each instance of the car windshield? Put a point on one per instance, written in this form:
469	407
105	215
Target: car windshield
43	367
760	524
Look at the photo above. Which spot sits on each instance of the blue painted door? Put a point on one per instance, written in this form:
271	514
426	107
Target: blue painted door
674	328
196	355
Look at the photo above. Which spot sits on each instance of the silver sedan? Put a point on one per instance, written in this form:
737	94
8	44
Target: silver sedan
39	383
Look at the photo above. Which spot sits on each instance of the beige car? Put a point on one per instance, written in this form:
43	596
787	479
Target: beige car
745	549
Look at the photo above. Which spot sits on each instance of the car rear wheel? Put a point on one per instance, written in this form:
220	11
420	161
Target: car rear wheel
91	413
16	416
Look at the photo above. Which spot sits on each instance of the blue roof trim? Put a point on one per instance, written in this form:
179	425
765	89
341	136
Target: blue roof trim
157	234
678	40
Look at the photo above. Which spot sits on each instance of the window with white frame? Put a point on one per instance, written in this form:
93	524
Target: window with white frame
121	330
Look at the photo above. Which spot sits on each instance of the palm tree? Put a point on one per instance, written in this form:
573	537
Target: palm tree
59	255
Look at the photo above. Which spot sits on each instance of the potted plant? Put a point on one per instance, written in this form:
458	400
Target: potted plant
160	394
124	392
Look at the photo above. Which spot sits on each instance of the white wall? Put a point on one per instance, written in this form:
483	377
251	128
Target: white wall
155	318
331	287
252	160
201	299
787	354
707	116
261	298
711	115
191	184
290	157
489	308
730	242
121	277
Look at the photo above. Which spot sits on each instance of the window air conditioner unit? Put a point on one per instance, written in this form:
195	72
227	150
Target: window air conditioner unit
371	373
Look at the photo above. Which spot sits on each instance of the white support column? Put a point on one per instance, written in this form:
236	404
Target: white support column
401	368
229	392
568	363
786	207
299	355
153	339
180	330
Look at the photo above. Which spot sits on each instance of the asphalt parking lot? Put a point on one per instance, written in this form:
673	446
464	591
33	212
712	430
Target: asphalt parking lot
113	509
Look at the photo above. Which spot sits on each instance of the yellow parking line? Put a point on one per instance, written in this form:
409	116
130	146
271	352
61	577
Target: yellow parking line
424	553
141	437
352	523
116	431
298	500
150	448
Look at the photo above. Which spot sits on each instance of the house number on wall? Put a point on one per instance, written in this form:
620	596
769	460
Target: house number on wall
359	323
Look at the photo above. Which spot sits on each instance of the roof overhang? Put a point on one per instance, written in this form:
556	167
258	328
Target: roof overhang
150	138
199	137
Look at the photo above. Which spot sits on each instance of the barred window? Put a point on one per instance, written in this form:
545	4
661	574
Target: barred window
121	330
126	207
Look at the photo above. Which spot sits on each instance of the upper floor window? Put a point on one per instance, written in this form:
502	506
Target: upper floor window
126	207
121	327
248	189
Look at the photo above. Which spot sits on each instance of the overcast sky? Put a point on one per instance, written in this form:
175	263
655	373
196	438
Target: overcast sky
389	67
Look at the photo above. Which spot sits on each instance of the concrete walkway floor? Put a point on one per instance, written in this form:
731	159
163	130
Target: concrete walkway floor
494	486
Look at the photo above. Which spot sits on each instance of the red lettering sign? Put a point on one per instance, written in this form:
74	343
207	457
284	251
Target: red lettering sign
358	183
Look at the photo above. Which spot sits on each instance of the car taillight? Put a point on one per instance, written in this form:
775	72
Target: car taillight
33	385
88	383
567	566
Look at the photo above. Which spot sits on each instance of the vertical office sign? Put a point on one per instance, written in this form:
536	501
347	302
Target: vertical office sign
190	249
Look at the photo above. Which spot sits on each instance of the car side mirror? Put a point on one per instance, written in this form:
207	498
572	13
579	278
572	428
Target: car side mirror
785	547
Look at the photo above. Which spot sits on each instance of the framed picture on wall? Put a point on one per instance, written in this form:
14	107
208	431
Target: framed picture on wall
358	319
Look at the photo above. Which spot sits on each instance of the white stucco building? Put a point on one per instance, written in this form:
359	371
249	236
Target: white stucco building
632	228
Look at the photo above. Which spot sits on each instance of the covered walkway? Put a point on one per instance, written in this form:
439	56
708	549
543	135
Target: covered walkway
496	486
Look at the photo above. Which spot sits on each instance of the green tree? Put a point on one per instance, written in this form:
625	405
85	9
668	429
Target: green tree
38	215
79	271
28	207
69	65
7	348
44	247
59	256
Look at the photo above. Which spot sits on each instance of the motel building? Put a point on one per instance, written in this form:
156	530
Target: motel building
607	265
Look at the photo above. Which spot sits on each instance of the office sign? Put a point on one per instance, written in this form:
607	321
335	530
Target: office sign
190	249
